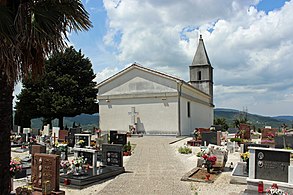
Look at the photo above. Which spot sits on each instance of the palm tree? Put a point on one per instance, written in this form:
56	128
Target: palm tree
30	30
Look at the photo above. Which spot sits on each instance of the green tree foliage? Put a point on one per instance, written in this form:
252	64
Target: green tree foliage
222	122
65	89
30	31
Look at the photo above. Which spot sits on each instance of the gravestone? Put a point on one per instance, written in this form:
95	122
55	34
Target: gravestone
113	136
283	141
221	153
71	140
73	131
112	155
120	138
246	129
55	132
272	165
38	149
46	130
85	137
266	131
45	174
211	137
63	134
89	154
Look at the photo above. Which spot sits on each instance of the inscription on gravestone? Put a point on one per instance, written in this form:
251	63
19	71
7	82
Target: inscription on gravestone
209	138
112	154
45	172
272	165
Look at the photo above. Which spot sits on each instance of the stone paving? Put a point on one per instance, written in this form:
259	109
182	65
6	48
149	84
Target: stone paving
152	169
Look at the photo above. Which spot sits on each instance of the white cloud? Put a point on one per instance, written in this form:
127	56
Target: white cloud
105	73
249	49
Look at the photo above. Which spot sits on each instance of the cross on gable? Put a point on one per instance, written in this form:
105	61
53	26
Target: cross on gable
132	114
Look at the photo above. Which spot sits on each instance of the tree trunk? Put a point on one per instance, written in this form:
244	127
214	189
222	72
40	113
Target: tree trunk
60	122
6	90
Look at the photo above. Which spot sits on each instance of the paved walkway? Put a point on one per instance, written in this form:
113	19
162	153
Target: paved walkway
152	169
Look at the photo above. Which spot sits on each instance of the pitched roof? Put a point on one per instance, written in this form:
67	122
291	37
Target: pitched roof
201	56
138	66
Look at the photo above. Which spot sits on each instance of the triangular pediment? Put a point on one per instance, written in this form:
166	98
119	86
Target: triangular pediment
137	81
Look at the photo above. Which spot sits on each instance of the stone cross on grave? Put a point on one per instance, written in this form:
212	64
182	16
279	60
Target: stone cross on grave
132	114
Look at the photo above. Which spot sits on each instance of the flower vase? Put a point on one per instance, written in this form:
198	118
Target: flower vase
77	171
65	171
247	165
209	166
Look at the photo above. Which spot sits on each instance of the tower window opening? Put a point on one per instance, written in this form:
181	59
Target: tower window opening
199	75
188	109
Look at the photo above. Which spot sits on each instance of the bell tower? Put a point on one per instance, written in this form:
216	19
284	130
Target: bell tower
201	70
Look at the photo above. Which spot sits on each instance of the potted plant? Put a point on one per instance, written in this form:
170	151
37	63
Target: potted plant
65	164
127	149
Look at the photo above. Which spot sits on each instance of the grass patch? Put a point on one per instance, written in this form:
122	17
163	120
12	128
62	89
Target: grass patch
184	150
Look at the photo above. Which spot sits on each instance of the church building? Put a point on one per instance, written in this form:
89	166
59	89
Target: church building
152	102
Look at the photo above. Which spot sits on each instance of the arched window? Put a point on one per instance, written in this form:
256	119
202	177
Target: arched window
199	75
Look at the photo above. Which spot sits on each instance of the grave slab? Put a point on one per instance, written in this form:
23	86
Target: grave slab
91	176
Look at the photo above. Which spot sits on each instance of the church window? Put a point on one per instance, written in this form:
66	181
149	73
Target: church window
199	75
188	109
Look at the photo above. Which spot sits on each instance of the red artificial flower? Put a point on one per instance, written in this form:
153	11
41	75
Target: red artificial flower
205	156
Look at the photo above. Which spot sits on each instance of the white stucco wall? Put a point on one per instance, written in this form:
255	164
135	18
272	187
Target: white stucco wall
201	112
155	98
155	116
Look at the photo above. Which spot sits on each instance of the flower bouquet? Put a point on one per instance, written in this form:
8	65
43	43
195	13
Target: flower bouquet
65	164
271	136
274	190
77	165
61	147
209	161
15	166
245	156
81	143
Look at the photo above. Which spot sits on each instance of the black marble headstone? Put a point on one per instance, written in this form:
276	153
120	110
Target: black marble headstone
120	139
112	154
272	165
73	131
88	156
209	138
113	136
71	140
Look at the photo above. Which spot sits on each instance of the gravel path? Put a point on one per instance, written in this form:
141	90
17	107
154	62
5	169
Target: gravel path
152	169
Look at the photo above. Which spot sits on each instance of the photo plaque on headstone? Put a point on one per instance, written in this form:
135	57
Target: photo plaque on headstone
113	154
272	165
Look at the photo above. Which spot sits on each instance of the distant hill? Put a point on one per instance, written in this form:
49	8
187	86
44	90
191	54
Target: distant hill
86	121
257	120
286	118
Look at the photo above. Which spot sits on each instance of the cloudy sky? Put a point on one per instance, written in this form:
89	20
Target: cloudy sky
249	43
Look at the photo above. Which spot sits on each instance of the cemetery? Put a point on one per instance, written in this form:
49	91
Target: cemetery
74	158
54	160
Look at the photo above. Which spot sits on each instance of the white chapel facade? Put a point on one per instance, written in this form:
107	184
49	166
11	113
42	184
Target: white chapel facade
157	103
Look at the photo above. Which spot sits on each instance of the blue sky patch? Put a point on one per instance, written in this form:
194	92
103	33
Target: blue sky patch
270	5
